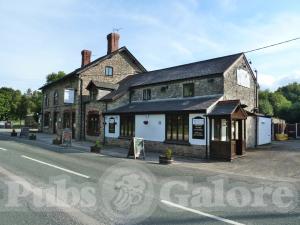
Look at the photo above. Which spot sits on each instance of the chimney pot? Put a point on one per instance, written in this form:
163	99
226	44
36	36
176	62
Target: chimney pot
85	57
112	42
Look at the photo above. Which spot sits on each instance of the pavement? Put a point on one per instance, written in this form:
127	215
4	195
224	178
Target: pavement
45	184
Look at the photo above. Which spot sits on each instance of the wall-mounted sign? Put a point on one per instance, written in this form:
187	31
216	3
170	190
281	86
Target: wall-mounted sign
69	95
111	125
243	78
198	126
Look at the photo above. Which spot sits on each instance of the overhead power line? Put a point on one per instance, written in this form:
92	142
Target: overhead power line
272	45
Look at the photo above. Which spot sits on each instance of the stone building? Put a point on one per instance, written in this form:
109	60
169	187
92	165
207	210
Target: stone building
65	99
201	109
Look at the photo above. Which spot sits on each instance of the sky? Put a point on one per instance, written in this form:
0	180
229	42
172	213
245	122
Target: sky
40	37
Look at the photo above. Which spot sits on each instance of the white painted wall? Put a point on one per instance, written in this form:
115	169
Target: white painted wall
154	130
196	141
117	128
264	130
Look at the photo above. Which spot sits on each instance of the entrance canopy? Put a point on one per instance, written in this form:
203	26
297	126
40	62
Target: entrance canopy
227	125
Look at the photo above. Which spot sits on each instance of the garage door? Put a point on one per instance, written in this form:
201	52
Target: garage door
264	130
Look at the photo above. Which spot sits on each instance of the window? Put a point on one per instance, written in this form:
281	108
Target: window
93	128
177	127
93	94
46	119
46	100
220	130
108	71
147	94
127	125
55	98
188	90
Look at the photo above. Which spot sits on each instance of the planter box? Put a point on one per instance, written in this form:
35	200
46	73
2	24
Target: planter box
95	149
15	134
164	160
56	142
32	137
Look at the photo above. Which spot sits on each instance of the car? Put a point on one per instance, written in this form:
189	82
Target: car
2	124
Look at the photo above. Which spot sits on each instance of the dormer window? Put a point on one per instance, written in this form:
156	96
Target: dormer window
108	71
55	98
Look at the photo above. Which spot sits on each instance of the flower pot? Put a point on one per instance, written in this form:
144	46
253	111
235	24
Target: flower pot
95	149
164	160
14	134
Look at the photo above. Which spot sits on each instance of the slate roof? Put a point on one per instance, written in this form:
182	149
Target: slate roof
224	108
186	71
76	72
175	105
104	85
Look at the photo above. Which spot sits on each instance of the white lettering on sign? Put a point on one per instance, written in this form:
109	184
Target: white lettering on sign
243	78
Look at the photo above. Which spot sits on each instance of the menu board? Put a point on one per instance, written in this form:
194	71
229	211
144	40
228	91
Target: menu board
198	126
137	148
67	137
112	125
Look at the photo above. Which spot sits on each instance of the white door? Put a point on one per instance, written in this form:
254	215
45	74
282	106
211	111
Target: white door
264	130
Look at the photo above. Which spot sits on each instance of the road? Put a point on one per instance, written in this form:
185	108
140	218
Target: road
42	184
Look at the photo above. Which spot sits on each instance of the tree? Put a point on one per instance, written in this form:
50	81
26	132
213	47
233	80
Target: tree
265	105
280	104
291	92
23	106
54	76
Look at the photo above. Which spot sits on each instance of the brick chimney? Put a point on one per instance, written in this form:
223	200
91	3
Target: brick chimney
112	42
85	57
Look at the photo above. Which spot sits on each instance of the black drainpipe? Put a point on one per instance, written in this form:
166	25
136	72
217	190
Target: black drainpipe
206	131
81	110
104	124
256	109
42	112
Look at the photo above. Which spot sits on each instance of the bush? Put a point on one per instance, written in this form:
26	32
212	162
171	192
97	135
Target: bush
168	153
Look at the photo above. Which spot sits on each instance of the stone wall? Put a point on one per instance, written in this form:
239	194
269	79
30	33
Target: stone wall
203	86
122	67
234	91
195	151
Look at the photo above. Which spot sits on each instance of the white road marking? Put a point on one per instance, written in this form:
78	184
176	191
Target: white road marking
57	167
200	213
3	149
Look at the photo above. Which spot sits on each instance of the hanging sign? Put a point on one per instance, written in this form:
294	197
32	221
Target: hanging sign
198	128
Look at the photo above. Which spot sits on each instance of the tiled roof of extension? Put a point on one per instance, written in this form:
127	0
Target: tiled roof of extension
224	108
173	105
186	71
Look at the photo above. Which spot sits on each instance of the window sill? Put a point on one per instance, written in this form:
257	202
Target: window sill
178	142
